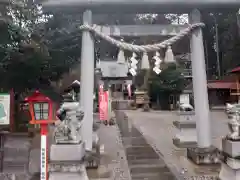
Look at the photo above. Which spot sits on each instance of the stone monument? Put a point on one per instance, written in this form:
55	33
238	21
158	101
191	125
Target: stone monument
68	151
230	168
187	135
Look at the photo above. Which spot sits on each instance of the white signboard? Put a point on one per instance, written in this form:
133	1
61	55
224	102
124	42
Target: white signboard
43	157
184	99
4	109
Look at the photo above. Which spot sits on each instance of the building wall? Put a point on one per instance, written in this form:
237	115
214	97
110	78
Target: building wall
185	63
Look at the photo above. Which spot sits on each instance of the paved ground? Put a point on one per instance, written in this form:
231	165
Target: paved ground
113	158
157	128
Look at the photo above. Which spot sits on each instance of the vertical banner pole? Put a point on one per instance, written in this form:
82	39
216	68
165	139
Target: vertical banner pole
100	101
44	152
109	105
12	110
106	107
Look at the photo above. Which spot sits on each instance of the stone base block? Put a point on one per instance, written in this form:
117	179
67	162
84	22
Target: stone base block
204	156
67	152
230	170
65	176
66	166
73	170
231	148
184	124
183	143
186	137
186	113
93	158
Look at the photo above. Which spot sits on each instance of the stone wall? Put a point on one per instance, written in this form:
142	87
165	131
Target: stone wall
121	104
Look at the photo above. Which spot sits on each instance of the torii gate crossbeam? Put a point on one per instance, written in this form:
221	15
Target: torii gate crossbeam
142	6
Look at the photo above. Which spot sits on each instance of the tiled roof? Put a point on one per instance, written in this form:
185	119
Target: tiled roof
221	85
218	84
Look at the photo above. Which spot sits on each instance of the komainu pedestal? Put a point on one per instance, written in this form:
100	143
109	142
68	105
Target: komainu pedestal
67	154
230	166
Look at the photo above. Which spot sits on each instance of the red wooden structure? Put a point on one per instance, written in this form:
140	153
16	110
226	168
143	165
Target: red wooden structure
236	72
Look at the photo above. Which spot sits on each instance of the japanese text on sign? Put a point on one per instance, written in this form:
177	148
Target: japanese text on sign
43	158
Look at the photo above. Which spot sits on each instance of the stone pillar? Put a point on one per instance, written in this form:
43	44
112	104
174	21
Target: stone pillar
203	154
186	137
200	84
87	81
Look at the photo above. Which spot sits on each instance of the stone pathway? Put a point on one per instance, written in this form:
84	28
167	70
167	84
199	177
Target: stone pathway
158	130
144	162
113	163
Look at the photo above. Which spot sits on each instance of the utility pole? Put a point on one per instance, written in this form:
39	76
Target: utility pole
217	46
207	60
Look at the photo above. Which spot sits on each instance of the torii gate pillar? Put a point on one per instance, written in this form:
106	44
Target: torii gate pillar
200	83
87	81
204	153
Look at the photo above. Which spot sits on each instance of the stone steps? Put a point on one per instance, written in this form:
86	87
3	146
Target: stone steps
136	156
153	176
16	154
15	167
19	176
148	168
144	163
143	149
134	142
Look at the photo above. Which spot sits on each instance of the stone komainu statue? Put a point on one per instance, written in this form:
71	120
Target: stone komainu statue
68	131
234	127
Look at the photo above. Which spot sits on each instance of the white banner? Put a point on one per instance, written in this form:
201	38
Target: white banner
43	157
4	109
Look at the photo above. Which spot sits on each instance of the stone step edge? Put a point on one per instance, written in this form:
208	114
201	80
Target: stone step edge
150	174
155	165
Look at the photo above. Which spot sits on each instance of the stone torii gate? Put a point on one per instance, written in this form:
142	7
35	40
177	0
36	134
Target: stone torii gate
192	7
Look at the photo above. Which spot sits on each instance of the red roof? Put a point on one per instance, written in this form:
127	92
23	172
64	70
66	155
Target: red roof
237	69
218	84
37	96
